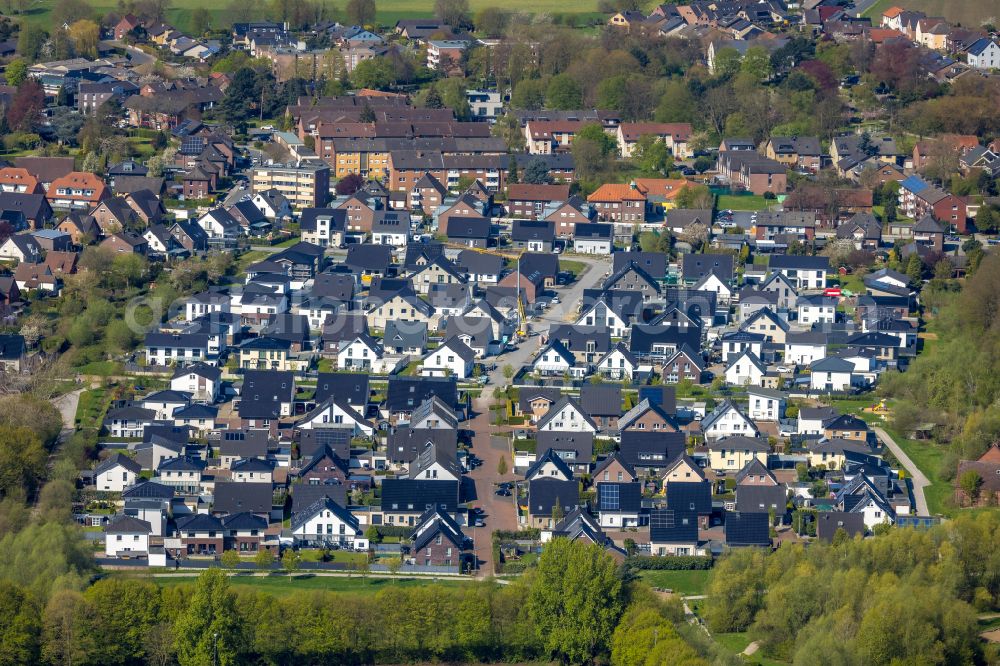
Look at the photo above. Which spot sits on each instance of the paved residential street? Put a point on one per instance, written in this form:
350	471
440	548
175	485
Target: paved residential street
501	513
919	480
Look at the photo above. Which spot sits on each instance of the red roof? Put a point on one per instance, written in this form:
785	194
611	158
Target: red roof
617	192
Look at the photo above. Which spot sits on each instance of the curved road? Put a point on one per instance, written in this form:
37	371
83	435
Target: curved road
918	479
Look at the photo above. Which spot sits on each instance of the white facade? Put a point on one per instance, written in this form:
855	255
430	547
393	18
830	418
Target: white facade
444	361
357	355
764	407
325	525
115	479
128	542
821	380
988	58
568	419
804	353
732	422
200	387
744	371
817	313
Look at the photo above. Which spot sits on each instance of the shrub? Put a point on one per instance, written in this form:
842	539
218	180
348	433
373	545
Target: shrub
672	563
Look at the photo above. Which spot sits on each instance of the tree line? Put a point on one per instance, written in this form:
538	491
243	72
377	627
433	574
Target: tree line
576	607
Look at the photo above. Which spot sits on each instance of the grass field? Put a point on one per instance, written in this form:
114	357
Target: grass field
280	584
927	456
682	582
737	642
92	407
388	12
969	13
741	202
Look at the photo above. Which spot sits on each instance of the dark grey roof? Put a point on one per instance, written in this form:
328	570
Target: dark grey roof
799	262
601	399
581	442
419	495
549	456
474	228
828	522
673	526
435	522
751	498
653	263
651	449
369	257
625	497
304	494
405	394
697	266
122	524
325	504
234	497
243	443
263	393
244	521
405	443
118	459
350	386
747	529
148	490
545	493
531	230
690	497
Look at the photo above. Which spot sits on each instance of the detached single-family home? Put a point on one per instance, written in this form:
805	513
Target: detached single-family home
116	473
735	452
453	357
326	523
728	420
127	537
831	374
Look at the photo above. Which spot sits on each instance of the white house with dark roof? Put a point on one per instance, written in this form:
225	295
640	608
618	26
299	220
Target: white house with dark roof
324	522
453	357
116	473
831	374
567	415
126	537
728	420
745	370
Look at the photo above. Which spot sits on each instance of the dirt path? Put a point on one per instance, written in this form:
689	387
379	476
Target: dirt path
920	481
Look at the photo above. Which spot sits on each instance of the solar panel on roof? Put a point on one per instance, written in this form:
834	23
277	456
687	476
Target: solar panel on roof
662	519
609	497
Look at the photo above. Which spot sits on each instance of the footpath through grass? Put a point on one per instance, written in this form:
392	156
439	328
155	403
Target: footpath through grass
281	584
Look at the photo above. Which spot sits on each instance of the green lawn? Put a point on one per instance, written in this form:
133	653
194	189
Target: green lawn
92	407
281	584
741	202
682	582
737	642
574	267
928	456
100	368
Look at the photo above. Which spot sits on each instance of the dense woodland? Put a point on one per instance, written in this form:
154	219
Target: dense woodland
905	597
955	383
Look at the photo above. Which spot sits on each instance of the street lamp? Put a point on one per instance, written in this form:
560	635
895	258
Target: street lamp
215	649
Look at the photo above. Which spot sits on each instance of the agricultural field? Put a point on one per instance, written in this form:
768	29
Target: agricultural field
388	11
964	12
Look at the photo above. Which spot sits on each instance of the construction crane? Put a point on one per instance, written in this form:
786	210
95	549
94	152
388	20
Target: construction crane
515	255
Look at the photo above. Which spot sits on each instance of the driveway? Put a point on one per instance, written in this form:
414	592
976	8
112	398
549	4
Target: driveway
917	477
501	512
